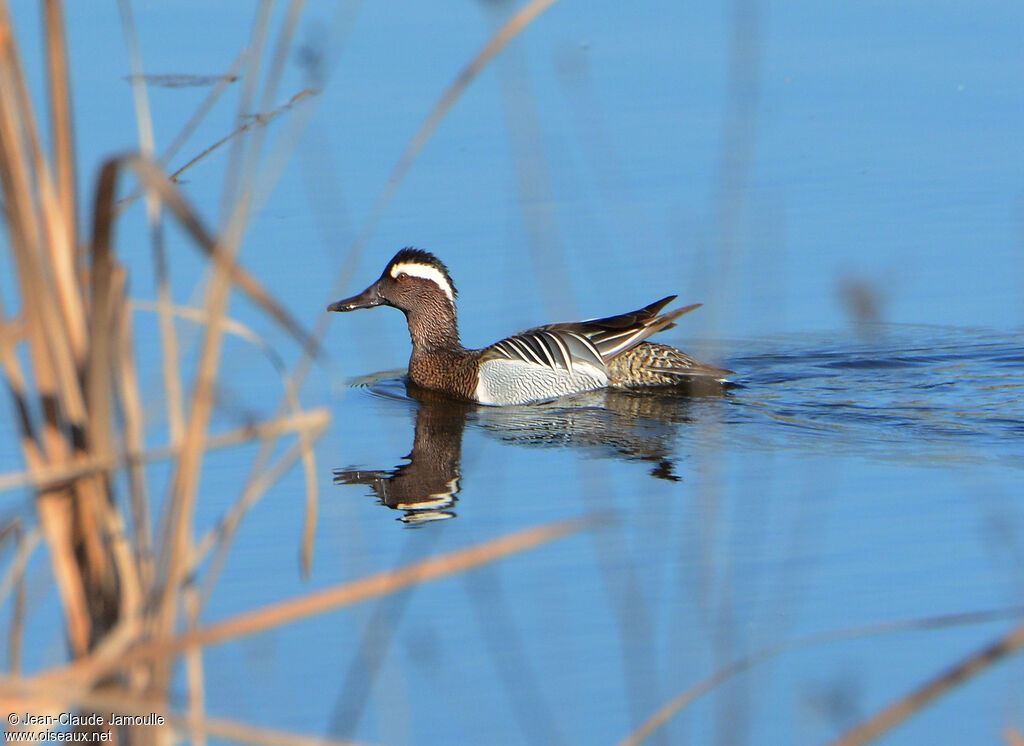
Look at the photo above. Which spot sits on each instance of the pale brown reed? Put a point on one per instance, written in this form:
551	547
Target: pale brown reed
128	585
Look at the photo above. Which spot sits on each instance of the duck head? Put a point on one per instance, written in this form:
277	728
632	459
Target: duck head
414	279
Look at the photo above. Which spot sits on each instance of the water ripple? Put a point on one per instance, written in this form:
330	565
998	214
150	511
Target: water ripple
909	392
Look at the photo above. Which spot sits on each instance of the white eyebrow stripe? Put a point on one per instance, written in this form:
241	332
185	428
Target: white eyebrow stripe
425	272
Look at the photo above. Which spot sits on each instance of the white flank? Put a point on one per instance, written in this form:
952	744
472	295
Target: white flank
519	382
425	272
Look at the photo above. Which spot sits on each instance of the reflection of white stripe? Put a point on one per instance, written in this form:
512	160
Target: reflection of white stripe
425	272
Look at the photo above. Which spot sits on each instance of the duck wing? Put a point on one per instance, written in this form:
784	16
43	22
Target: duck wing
614	335
594	342
557	349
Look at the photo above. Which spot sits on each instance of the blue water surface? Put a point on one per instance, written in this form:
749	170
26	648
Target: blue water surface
842	186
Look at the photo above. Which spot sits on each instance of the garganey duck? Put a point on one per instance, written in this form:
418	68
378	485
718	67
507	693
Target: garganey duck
534	365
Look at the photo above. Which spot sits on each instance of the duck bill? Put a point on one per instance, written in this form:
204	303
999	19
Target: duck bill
367	299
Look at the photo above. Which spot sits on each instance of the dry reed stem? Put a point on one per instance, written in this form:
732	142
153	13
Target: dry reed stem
259	120
305	435
153	178
43	235
104	315
279	58
58	244
702	687
372	586
128	585
275	69
186	474
922	696
223	534
27	543
309	520
168	335
60	115
237	171
55	516
191	126
71	515
80	347
1013	736
26	240
278	614
231	326
30	445
194	666
185	479
134	443
55	511
53	476
17	633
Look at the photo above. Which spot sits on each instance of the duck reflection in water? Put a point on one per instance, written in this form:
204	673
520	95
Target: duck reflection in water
603	424
426	487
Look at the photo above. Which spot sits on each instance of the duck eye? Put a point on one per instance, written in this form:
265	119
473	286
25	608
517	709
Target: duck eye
402	276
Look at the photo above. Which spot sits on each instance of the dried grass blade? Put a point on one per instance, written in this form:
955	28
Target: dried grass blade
55	371
190	127
258	485
380	584
467	75
54	231
906	706
185	479
30	445
15	577
194	668
17	633
134	442
44	336
27	544
55	517
346	594
101	522
168	335
60	107
309	521
224	533
280	55
154	179
274	71
48	477
233	204
260	121
745	663
104	316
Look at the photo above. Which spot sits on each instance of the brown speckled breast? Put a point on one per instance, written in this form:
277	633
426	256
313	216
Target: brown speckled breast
453	373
